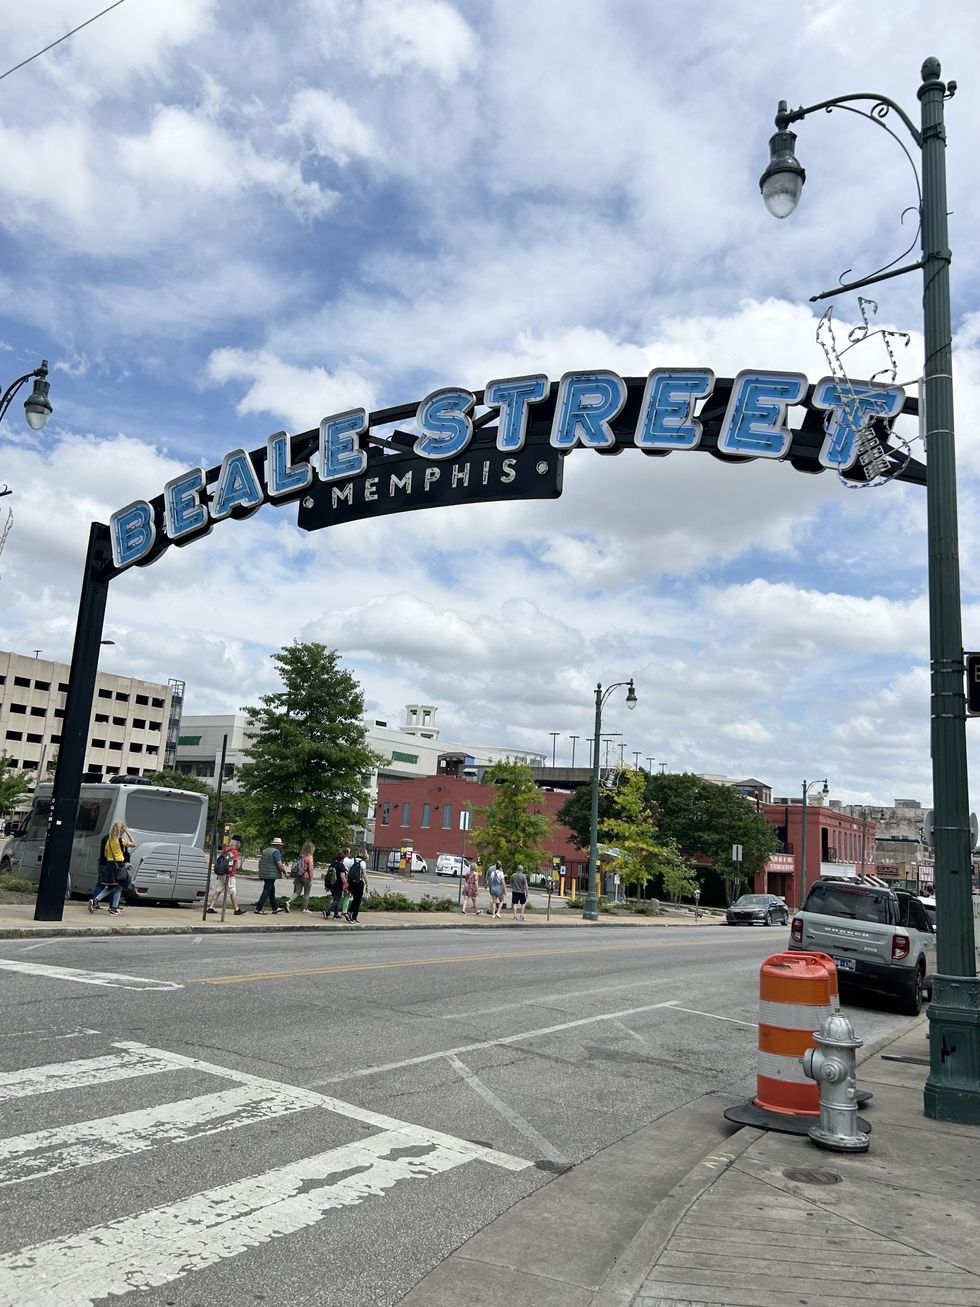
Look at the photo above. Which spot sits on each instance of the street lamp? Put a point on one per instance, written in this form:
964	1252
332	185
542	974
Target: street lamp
554	747
591	911
37	406
952	1090
806	790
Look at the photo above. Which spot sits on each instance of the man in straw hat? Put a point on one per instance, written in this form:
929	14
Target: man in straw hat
270	869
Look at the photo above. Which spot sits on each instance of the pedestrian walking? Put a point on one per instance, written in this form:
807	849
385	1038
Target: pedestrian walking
270	869
356	885
335	883
518	893
470	889
113	869
497	885
302	873
226	868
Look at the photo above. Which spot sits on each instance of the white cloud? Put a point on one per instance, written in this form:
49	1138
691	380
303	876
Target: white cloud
331	125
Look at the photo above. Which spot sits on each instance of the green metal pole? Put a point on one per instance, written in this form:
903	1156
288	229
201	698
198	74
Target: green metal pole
591	911
803	850
952	1091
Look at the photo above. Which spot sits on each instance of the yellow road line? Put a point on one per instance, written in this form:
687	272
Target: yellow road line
432	962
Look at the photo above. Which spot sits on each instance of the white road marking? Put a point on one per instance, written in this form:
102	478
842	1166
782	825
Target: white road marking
520	1124
632	1033
112	979
45	943
80	1074
68	1147
42	1036
489	1043
538	1000
164	1244
419	1134
695	1012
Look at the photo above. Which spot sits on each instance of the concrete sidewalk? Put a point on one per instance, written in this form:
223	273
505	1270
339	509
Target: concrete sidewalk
17	921
761	1220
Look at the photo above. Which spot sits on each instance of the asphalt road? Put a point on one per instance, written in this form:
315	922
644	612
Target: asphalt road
223	1120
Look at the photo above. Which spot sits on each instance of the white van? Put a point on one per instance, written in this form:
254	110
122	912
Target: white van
168	861
414	861
448	864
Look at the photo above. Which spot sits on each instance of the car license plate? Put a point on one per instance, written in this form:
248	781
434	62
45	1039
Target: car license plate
845	964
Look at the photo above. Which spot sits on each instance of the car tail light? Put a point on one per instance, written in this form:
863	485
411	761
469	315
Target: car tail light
796	930
900	947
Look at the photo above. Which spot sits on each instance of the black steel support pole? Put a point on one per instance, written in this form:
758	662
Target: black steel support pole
50	905
952	1091
591	910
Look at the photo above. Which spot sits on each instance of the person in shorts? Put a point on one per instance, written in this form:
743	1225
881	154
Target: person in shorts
229	879
497	885
518	892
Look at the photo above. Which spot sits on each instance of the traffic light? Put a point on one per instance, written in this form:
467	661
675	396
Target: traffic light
973	683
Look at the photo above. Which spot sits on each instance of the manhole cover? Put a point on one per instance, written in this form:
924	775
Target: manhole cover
904	1057
805	1175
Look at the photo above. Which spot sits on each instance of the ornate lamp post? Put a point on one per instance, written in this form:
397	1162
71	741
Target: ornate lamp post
952	1091
591	910
806	790
37	406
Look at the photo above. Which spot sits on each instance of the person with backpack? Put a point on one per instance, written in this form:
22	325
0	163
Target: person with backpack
226	867
497	886
270	869
335	883
113	869
356	884
302	874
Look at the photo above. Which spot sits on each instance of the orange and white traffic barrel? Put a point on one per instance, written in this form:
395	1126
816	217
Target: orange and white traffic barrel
796	992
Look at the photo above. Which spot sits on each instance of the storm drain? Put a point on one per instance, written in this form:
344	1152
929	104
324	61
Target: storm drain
807	1175
904	1057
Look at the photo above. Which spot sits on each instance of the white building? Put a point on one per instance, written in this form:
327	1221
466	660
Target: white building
412	749
131	723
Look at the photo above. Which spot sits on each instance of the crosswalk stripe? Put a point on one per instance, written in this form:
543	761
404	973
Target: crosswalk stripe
137	1060
69	1147
166	1243
114	980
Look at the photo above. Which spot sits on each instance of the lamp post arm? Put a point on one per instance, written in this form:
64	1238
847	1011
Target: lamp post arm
12	390
880	103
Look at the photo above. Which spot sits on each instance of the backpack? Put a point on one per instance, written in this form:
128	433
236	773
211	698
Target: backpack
298	869
356	874
221	865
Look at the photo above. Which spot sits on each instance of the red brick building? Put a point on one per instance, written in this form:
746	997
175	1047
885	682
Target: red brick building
832	837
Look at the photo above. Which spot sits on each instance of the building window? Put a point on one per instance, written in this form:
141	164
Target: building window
447	817
62	687
42	685
229	770
122	698
98	744
34	739
59	712
19	708
3	680
119	721
39	712
152	748
154	726
139	724
157	703
116	744
102	717
136	748
105	694
55	739
426	813
143	700
385	813
15	735
406	809
23	680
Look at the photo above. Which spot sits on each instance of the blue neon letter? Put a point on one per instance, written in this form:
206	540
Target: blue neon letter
281	478
238	486
339	452
445	423
183	512
849	408
755	421
666	414
587	402
512	397
133	533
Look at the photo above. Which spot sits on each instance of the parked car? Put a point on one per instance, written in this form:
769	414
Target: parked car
418	863
758	910
448	864
881	939
930	906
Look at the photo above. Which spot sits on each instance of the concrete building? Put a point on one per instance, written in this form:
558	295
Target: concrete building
900	854
133	728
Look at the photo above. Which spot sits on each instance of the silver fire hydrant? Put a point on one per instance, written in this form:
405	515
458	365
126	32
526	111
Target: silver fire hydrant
834	1067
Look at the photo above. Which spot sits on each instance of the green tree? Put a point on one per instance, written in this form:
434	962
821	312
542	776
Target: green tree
631	830
704	820
14	783
513	831
308	761
576	813
178	780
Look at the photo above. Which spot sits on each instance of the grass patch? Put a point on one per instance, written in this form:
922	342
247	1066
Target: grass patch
392	902
16	889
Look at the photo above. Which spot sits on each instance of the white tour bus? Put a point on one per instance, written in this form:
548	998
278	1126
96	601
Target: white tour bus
168	862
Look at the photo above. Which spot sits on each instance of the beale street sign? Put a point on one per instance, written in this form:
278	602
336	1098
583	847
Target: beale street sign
509	441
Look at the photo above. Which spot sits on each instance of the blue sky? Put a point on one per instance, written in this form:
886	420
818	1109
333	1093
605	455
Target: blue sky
217	220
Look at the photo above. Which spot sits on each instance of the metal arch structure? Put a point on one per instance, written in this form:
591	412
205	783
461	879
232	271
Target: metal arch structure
395	479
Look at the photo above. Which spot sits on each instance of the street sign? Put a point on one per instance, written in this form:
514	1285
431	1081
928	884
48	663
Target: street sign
973	683
736	853
464	820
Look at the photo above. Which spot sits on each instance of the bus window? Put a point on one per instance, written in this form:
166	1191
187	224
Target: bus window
166	814
90	815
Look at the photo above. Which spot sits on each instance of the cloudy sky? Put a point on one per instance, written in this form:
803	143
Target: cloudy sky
219	219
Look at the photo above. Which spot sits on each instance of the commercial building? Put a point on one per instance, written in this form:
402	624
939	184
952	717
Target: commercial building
834	839
133	727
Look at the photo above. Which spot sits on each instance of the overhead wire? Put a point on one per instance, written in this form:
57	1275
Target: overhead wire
32	57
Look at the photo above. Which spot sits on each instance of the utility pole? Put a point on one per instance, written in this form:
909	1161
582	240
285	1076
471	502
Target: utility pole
573	738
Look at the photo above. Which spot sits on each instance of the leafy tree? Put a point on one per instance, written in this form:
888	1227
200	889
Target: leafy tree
704	821
576	813
14	783
178	780
632	831
308	759
512	831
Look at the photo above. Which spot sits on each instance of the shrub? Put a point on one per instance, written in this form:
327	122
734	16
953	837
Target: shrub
391	901
16	884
